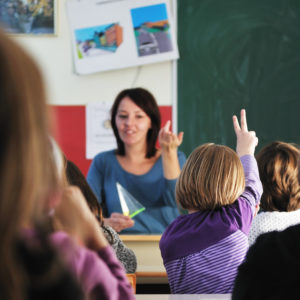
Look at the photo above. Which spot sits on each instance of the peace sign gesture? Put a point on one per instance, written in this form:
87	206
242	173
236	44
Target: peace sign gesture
246	141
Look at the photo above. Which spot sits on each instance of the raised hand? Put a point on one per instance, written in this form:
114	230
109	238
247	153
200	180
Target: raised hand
246	141
118	222
169	140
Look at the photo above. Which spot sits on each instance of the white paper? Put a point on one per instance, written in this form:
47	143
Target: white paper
99	134
118	34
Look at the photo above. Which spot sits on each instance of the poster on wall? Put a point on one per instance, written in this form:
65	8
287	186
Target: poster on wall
28	17
99	133
109	35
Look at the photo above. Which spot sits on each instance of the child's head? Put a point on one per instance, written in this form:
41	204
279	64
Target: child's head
213	176
75	177
271	267
278	170
70	174
28	178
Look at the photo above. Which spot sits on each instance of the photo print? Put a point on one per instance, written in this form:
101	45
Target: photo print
151	29
33	17
109	35
99	40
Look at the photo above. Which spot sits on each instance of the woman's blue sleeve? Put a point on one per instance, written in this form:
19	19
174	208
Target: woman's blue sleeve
169	192
181	158
95	178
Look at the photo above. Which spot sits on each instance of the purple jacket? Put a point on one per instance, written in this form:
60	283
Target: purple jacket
201	251
100	275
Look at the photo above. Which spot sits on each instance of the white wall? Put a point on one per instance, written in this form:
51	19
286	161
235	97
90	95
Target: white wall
54	55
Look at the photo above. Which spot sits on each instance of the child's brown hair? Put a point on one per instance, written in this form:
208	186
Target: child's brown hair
213	176
278	165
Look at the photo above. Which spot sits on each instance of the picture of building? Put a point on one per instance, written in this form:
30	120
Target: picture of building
99	40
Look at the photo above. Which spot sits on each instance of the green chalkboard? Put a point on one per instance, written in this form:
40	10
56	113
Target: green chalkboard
238	54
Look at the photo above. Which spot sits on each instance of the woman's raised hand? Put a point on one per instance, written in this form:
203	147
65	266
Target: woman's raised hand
169	140
246	141
118	222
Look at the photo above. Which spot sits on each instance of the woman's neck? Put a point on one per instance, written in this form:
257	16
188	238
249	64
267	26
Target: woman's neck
135	152
134	161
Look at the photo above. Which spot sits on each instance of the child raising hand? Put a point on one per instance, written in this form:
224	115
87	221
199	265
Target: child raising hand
220	189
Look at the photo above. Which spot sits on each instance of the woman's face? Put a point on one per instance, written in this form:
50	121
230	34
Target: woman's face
132	122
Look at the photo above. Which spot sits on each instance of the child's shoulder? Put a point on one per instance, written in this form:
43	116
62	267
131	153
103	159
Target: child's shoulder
200	221
197	231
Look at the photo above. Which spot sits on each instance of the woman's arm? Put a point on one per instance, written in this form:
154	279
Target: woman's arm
169	142
168	195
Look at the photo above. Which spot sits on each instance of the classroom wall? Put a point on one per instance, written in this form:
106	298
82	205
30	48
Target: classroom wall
54	55
68	93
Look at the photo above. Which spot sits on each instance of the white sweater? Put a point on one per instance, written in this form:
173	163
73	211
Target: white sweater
270	221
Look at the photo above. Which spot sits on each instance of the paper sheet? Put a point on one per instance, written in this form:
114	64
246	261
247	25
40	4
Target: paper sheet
99	134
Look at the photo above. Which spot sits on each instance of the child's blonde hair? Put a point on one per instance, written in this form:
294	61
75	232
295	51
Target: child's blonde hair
213	176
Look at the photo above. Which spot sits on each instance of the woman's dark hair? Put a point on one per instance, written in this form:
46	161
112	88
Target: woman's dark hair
146	101
75	177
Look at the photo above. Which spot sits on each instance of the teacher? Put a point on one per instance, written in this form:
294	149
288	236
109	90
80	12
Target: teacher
147	173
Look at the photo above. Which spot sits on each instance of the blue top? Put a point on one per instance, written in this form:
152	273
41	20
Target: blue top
202	250
152	190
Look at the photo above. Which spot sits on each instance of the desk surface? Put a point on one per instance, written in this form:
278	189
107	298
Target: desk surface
184	297
140	238
150	268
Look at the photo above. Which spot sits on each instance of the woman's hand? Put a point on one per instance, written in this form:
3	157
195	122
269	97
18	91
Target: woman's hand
246	140
169	140
74	216
118	222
